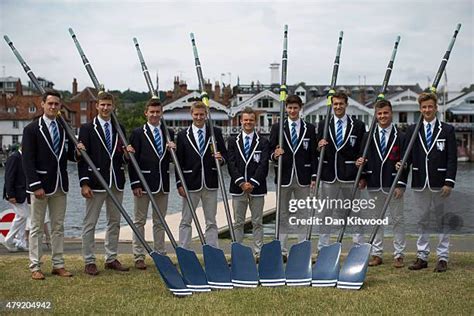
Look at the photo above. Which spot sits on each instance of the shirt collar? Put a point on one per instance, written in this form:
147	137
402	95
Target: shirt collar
47	120
196	129
249	135
152	127
344	119
387	129
290	122
433	123
102	121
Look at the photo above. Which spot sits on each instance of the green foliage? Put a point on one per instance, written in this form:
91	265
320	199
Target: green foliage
132	116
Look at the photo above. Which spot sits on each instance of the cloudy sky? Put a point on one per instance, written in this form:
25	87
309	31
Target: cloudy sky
238	39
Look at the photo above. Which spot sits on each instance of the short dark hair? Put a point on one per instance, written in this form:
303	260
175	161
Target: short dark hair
153	102
383	103
102	95
425	96
248	110
341	95
292	99
50	92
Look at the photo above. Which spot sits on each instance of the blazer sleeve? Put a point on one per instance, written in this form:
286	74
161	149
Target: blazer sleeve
221	145
135	143
84	137
232	154
273	141
11	170
180	153
29	147
260	175
365	139
452	163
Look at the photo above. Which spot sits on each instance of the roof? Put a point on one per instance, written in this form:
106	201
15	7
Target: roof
87	94
22	105
183	102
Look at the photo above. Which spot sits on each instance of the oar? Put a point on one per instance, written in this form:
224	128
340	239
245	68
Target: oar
165	267
244	269
217	268
270	268
298	267
191	269
354	270
326	268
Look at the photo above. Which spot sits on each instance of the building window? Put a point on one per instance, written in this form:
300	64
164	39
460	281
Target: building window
11	110
402	117
240	99
83	118
265	103
262	121
300	93
15	140
32	109
15	124
83	106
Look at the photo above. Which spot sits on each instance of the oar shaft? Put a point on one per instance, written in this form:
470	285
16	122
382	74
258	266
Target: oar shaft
149	83
373	124
122	137
335	71
205	100
84	154
408	149
283	95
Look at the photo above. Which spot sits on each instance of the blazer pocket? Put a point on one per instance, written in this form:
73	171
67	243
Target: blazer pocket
369	171
187	171
308	165
441	169
349	162
214	169
145	171
41	171
90	169
415	169
122	168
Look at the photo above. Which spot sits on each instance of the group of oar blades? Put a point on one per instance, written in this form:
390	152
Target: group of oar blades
243	272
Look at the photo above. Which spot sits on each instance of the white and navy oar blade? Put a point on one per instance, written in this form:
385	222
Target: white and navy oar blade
298	266
326	268
170	275
270	268
243	269
353	271
217	268
193	275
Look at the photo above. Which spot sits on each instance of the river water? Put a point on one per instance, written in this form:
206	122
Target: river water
463	196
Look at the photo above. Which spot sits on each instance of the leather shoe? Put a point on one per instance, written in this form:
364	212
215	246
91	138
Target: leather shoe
62	272
140	265
91	269
376	261
37	275
116	265
285	257
442	266
419	264
398	262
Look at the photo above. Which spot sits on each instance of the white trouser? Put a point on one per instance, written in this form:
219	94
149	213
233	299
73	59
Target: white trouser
16	236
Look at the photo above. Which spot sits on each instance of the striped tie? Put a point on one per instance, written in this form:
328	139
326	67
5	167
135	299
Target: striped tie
294	137
55	132
247	146
383	145
339	134
201	141
108	140
159	146
428	135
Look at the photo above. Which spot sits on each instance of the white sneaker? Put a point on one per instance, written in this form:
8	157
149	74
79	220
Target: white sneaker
10	247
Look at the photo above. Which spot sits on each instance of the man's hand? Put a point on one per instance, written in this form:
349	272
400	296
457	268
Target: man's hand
171	145
80	146
181	192
446	191
398	193
86	191
322	143
360	162
39	194
218	156
398	165
12	200
278	152
312	185
138	192
362	184
247	187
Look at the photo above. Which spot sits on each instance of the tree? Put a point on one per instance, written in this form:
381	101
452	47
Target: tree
132	116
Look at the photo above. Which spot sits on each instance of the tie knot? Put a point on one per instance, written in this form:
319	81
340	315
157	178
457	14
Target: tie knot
200	131
53	123
293	124
106	124
339	122
156	130
247	138
428	126
383	131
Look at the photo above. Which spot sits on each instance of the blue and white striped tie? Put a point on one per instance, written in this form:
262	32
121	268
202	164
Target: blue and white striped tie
428	135
159	146
201	141
339	134
108	139
294	137
54	129
383	145
247	146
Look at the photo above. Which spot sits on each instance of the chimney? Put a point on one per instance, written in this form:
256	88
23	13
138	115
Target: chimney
274	73
183	88
74	86
208	88
217	91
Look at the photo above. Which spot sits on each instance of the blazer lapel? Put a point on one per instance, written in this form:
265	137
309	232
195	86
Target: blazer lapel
240	146
151	139
100	133
433	139
192	141
376	140
43	128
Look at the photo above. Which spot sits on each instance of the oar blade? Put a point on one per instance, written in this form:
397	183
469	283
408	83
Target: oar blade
170	275
193	275
298	266
326	269
352	274
270	268
217	268
243	269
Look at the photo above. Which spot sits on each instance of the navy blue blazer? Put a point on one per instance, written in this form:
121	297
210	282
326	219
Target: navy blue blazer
15	179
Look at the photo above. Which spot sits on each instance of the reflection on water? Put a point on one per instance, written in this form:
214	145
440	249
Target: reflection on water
462	198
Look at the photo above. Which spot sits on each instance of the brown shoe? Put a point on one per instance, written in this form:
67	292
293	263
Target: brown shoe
91	269
376	261
62	272
37	275
419	264
398	262
442	266
116	265
140	265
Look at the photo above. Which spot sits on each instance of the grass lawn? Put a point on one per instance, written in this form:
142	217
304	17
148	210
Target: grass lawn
386	291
